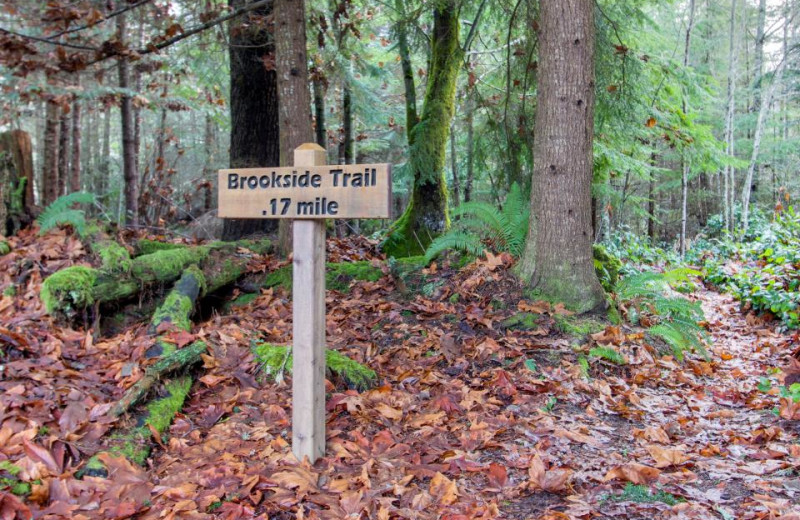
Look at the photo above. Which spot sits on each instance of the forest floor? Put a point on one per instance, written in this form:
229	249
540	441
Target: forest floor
475	417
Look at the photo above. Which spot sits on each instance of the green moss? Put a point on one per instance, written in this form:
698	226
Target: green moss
68	290
114	257
166	265
241	300
135	444
145	246
275	358
643	495
578	325
5	248
607	267
178	306
338	276
522	321
16	486
10	468
10	291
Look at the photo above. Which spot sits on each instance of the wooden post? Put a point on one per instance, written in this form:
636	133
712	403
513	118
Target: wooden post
308	330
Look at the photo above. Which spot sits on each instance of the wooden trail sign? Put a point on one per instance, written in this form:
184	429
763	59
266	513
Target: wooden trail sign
308	192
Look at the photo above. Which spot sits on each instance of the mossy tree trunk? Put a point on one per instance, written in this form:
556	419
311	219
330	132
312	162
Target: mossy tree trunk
426	215
16	181
557	261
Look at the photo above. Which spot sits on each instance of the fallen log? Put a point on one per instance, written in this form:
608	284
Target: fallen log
69	292
175	313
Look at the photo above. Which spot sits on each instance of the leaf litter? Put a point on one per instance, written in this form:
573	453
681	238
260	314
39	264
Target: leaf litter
471	419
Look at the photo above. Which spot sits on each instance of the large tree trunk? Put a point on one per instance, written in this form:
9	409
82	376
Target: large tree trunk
728	172
129	167
50	163
293	92
558	259
254	107
426	215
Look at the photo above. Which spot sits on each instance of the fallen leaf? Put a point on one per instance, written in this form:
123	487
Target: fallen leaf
443	489
665	457
633	472
550	480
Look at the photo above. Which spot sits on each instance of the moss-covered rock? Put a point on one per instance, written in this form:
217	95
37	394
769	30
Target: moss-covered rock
5	247
607	267
275	359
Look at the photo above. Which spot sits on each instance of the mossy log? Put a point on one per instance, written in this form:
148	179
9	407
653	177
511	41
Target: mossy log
135	444
176	311
70	291
275	359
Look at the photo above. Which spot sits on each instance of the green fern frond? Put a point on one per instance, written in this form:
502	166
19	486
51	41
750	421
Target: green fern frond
609	354
454	239
61	211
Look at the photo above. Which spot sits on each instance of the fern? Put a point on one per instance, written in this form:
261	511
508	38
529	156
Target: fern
61	211
477	223
676	319
609	354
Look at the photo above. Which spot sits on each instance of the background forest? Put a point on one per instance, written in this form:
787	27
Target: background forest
695	101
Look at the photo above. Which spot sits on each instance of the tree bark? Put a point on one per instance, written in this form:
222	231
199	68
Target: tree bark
293	92
470	149
129	167
75	163
408	71
319	112
685	162
254	107
762	114
63	153
16	180
454	166
104	171
558	260
210	142
728	172
651	201
50	163
426	215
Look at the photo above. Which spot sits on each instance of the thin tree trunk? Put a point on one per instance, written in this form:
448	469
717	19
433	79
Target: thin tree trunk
75	165
295	99
63	153
762	114
454	165
684	161
408	71
319	112
104	171
129	167
210	143
651	200
50	162
558	260
470	149
728	172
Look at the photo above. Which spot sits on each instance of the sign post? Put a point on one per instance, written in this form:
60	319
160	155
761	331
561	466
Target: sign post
308	192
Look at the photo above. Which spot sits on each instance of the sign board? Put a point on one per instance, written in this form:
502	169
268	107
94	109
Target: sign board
310	192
